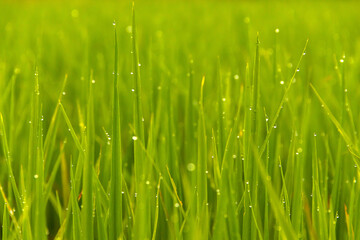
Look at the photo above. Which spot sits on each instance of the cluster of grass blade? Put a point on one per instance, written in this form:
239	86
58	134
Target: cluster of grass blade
259	154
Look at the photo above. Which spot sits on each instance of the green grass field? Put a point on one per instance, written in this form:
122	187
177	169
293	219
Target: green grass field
179	120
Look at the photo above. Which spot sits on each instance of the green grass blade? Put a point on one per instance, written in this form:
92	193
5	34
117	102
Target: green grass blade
40	224
77	230
5	224
349	144
142	213
53	173
221	114
156	218
88	196
201	180
19	200
100	217
115	214
50	138
72	131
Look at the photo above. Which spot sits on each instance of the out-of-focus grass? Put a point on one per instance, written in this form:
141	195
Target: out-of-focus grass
197	129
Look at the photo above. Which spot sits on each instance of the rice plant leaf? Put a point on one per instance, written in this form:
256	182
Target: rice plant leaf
115	214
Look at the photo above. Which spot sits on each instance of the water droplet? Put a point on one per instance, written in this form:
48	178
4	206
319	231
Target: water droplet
36	176
275	126
75	13
277	30
218	191
345	90
133	90
341	60
176	205
190	167
131	73
223	99
30	122
281	82
139	64
298	69
134	138
234	156
304	53
147	182
93	81
114	23
135	194
129	29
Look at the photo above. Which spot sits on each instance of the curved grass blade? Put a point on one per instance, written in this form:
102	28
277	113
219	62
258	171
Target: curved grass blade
71	130
8	158
50	137
349	144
